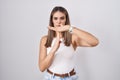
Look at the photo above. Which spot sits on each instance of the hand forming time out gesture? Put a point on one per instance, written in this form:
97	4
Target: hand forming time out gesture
62	28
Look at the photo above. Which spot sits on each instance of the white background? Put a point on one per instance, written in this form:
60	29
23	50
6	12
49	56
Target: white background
24	22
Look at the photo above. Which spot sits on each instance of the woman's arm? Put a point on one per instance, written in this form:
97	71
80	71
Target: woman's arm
46	60
79	37
83	38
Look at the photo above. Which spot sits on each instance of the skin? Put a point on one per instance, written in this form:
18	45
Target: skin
79	38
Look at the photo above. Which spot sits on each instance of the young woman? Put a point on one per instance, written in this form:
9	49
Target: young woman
57	48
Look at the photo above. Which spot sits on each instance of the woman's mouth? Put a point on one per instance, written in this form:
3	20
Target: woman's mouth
58	26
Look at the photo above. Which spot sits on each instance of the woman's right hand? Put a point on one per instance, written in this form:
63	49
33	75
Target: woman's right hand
57	43
45	60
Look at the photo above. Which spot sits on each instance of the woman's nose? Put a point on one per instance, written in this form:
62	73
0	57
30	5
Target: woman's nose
59	21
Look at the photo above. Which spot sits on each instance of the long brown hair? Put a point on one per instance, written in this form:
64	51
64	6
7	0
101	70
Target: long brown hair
51	33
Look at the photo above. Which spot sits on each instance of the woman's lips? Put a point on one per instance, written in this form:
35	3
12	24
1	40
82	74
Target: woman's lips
58	26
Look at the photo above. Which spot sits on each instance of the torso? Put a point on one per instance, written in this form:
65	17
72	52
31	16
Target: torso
63	61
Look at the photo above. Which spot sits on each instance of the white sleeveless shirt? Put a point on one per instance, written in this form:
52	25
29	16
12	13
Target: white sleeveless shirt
63	60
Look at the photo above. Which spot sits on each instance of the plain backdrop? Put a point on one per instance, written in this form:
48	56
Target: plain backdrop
24	22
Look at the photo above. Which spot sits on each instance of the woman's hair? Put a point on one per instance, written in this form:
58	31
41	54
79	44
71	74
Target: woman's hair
51	34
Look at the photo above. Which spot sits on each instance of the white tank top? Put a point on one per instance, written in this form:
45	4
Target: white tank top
63	60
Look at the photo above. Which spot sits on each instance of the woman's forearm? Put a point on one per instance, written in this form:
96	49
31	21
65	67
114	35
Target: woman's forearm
49	58
47	61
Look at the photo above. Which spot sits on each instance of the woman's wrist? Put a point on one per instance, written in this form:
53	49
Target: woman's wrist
70	29
52	52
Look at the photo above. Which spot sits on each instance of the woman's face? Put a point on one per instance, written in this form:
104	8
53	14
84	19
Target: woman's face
58	18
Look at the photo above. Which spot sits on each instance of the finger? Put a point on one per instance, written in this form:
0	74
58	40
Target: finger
58	35
51	28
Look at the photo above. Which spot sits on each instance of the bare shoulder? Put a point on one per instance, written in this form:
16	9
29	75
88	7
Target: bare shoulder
43	39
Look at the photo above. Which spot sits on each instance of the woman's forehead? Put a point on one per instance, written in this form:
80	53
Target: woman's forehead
58	14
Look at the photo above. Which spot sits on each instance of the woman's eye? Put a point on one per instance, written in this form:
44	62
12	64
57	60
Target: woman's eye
62	18
55	18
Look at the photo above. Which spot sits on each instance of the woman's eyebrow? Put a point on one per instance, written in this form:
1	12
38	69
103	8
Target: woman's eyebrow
55	17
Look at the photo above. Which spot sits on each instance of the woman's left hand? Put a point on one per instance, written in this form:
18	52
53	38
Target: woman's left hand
62	28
